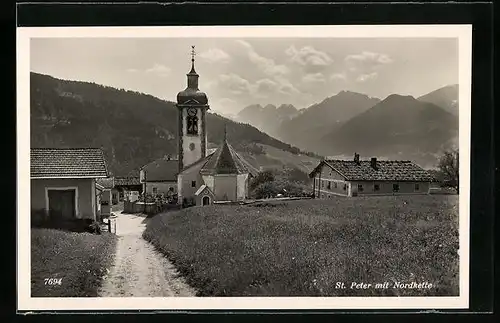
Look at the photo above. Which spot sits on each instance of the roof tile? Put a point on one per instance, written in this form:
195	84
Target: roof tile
67	162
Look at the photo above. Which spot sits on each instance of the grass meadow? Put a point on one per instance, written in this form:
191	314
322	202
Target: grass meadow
304	247
77	260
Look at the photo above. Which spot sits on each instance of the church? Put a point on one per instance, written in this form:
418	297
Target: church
202	177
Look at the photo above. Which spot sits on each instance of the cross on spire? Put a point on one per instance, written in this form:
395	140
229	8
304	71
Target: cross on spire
193	53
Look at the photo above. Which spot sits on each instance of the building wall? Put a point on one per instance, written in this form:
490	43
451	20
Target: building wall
325	187
190	156
386	188
85	207
241	191
161	187
184	185
225	187
329	183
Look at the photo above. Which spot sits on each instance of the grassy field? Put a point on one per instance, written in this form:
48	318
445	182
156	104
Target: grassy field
304	247
79	260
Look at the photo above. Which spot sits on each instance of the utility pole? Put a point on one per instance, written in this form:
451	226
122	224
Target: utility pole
145	186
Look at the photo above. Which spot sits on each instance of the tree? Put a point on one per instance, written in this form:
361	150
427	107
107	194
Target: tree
262	177
448	166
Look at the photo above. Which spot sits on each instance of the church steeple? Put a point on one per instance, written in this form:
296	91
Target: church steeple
192	76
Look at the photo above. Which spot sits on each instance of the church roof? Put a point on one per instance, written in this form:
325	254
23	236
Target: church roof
225	160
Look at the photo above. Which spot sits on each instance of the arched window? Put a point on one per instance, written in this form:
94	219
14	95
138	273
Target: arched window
206	200
192	125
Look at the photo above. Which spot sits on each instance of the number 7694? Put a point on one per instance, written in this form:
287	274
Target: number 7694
53	281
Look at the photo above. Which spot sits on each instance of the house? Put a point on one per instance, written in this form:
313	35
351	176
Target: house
127	184
63	182
160	176
369	177
199	175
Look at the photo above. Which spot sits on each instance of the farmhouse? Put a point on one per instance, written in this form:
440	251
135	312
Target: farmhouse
160	176
369	177
198	176
63	182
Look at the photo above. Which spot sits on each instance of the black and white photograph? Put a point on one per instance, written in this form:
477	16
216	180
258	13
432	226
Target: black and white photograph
276	167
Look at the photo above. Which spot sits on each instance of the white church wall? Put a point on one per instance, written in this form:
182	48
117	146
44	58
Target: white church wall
241	186
225	187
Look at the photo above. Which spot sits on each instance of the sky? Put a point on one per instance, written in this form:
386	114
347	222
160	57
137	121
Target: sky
237	72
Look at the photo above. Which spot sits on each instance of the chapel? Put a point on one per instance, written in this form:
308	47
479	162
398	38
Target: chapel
220	175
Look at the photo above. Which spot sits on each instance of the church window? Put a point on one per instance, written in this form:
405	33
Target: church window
193	183
192	125
335	184
328	185
191	146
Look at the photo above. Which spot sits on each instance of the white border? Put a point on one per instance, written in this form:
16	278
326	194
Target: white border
26	303
68	188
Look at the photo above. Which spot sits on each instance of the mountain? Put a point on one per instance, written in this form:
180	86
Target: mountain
399	127
307	128
267	118
132	128
445	97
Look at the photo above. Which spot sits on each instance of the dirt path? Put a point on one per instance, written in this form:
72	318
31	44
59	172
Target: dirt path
140	270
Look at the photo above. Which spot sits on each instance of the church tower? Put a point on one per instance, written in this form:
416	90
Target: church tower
192	105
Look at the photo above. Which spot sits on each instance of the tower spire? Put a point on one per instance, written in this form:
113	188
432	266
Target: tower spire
193	54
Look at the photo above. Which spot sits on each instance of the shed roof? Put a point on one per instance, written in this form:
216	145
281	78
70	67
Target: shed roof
386	170
106	182
67	163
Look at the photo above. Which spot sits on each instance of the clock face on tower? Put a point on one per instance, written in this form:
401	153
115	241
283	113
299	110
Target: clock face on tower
191	112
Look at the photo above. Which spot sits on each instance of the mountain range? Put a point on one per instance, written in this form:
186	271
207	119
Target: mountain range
132	128
398	127
135	128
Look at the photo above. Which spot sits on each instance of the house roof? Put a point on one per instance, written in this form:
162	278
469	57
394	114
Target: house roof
106	182
225	160
387	170
124	181
161	170
67	163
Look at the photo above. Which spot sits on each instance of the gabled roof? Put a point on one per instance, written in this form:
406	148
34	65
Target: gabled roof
387	170
203	188
225	160
67	163
161	170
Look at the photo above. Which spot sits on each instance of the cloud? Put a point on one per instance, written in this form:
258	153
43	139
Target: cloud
265	87
367	61
215	55
366	77
313	78
159	69
266	65
338	76
235	84
312	59
132	70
